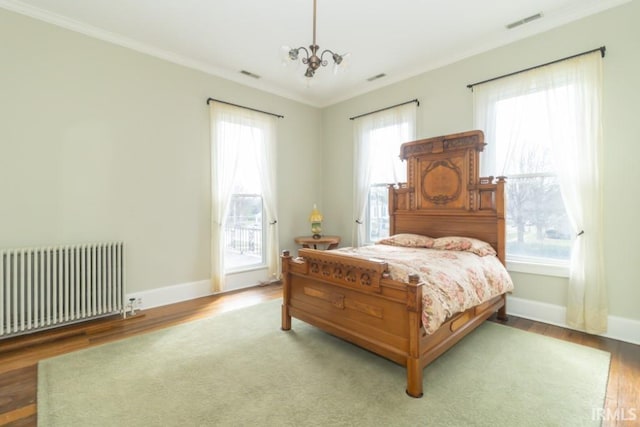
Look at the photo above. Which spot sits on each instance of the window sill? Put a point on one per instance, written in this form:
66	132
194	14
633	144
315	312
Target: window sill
555	270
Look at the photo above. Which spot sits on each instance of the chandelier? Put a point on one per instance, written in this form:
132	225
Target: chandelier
311	58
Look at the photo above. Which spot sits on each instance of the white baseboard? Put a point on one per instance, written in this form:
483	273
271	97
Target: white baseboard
171	294
192	290
620	328
176	293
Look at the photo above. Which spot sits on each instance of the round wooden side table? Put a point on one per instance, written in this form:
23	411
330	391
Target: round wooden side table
331	242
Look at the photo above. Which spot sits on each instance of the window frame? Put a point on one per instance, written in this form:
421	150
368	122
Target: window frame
532	264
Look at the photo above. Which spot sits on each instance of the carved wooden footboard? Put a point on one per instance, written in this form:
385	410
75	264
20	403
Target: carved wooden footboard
351	298
356	299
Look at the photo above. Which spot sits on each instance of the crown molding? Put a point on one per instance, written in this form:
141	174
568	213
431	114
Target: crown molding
117	39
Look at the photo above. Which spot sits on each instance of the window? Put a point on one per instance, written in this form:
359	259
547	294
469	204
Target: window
386	168
244	229
538	227
377	222
377	164
543	132
244	235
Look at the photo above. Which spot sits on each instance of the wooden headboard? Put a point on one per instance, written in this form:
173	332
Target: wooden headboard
444	194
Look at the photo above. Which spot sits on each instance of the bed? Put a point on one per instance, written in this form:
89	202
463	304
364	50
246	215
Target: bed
358	297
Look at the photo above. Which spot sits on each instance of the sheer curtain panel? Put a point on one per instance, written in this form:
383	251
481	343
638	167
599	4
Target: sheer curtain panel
229	126
374	134
266	160
570	94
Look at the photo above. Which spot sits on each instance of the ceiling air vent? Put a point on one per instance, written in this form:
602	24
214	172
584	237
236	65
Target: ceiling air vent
250	74
379	76
524	21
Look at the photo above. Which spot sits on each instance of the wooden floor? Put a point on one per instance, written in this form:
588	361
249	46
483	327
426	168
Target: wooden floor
19	356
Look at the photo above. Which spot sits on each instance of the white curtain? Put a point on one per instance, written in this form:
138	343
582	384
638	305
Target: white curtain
377	136
229	126
571	93
266	160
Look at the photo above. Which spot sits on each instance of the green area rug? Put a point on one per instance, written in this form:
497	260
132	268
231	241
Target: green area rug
240	369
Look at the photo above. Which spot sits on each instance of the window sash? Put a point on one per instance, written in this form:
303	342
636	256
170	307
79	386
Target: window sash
244	242
377	219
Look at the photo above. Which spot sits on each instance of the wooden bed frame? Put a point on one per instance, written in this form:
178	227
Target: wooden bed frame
355	299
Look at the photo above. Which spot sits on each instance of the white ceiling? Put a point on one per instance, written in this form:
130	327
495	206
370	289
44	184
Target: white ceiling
400	38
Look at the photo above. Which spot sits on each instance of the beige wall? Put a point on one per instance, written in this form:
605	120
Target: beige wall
446	106
98	142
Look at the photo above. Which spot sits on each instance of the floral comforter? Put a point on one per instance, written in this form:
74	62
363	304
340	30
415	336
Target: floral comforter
455	280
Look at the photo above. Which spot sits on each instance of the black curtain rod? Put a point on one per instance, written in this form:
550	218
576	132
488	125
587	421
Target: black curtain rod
386	108
246	108
602	50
